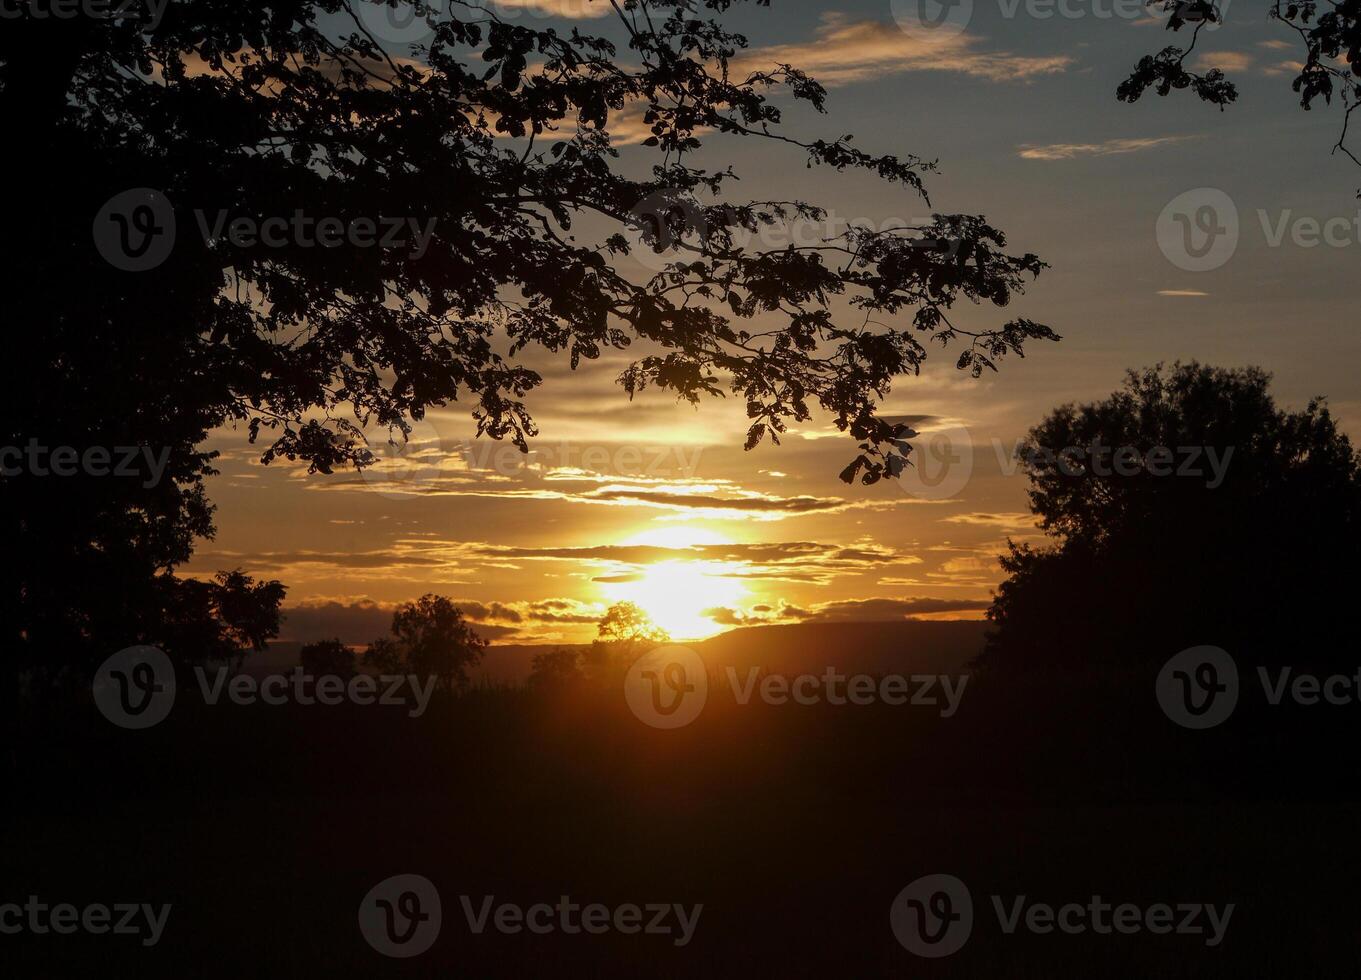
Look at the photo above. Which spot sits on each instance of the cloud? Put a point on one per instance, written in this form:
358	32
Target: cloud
1227	60
360	620
566	9
846	51
789	561
845	611
350	620
718	499
1115	147
1283	68
1181	292
429	560
1009	520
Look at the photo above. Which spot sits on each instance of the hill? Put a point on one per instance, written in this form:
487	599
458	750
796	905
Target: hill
904	646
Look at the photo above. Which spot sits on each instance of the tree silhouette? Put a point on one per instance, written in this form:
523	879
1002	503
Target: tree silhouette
493	135
626	622
327	657
623	633
555	669
1150	558
435	640
1324	40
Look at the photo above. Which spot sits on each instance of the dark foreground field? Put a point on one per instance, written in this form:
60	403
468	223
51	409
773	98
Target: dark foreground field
795	827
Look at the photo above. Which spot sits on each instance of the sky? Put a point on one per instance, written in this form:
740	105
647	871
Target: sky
656	502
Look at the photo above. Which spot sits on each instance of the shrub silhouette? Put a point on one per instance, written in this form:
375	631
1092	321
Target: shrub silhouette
327	657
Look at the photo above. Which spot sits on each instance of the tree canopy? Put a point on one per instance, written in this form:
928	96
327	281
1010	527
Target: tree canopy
1166	549
1329	44
493	137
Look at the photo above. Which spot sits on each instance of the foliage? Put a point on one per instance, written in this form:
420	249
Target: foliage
327	657
495	135
430	637
1330	44
1144	565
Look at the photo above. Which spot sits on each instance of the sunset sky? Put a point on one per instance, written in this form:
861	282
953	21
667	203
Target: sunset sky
656	502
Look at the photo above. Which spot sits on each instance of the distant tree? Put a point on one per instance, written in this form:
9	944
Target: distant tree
327	657
383	656
1328	49
495	135
554	669
436	640
626	622
1143	565
622	635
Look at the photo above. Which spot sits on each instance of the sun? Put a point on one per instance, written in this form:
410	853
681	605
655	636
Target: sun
675	593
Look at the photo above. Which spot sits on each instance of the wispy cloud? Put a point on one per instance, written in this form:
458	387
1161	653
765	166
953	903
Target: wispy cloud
846	51
844	611
1181	292
566	9
1227	60
1107	148
1011	520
